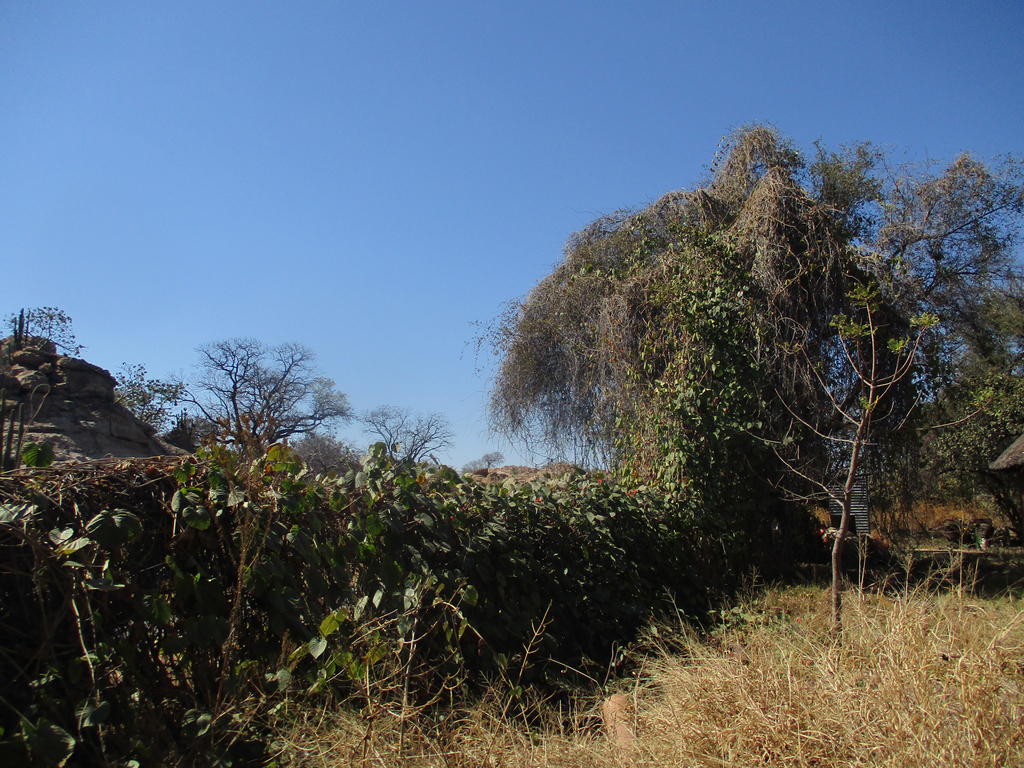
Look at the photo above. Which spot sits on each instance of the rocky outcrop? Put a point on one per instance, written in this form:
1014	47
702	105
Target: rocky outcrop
70	404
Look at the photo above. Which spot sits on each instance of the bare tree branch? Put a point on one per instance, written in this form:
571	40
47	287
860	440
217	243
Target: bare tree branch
409	437
260	395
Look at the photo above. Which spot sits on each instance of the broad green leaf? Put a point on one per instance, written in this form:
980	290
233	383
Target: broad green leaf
58	536
51	742
189	497
153	608
112	529
184	472
280	681
74	546
218	496
374	526
89	714
332	623
317	646
410	598
195	723
360	606
38	455
14	513
197	517
376	654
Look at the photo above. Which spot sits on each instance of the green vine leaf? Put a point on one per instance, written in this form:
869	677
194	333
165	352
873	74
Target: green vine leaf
112	529
38	455
197	517
317	646
89	714
195	723
153	608
50	742
17	513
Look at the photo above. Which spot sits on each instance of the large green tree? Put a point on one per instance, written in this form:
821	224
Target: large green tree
675	339
980	410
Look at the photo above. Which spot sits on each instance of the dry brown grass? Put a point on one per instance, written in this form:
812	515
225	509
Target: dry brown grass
927	515
923	516
918	680
483	736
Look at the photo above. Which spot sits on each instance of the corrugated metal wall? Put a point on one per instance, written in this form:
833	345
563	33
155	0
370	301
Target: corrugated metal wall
860	522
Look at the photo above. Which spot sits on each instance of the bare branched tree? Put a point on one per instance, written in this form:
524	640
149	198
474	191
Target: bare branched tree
410	437
323	453
259	395
486	461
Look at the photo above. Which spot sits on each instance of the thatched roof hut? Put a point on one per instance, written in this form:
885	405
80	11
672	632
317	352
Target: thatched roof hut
1009	468
1010	459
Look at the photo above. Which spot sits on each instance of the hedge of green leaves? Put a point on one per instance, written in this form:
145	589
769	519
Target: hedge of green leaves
149	610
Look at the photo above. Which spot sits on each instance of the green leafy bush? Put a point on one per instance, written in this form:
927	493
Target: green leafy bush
156	608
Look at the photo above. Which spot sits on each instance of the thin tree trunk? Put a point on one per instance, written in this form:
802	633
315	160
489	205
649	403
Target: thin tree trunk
844	526
837	569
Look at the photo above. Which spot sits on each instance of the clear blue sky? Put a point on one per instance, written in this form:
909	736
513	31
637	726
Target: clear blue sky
370	179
